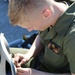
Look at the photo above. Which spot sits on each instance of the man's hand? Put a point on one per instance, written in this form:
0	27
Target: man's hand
30	71
20	59
24	71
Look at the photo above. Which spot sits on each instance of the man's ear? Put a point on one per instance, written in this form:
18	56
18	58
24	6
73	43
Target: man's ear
46	13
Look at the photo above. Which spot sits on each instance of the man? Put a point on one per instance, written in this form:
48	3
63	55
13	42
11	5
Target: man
53	50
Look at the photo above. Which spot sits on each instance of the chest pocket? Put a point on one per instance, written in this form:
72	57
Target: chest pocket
53	55
53	58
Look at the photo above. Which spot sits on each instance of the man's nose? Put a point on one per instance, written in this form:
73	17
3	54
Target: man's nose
30	29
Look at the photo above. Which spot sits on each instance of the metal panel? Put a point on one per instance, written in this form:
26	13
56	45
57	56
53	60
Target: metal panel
5	57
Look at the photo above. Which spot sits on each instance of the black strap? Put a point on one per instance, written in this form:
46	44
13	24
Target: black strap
71	1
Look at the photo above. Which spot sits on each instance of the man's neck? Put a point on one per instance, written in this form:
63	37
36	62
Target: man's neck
59	9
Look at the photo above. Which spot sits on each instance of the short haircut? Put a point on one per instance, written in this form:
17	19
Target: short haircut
18	7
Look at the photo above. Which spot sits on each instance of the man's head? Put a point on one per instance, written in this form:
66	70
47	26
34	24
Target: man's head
25	12
32	14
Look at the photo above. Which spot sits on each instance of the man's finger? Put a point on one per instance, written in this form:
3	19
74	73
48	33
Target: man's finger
20	70
19	73
22	62
16	59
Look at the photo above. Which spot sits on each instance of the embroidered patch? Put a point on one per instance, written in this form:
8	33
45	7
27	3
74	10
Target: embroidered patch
54	47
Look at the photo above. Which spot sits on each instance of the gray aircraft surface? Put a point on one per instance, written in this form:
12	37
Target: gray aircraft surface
5	58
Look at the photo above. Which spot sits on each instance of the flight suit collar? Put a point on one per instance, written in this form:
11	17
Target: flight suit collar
63	23
50	34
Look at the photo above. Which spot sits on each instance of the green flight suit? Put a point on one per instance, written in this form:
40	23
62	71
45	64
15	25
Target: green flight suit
59	41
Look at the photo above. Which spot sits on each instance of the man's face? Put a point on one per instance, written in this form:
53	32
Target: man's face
34	21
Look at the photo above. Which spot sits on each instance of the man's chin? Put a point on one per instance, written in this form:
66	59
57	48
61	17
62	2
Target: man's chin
42	29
